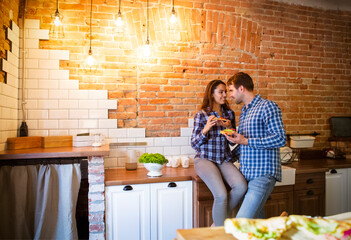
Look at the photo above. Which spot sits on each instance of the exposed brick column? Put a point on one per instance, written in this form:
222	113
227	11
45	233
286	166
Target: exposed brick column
96	197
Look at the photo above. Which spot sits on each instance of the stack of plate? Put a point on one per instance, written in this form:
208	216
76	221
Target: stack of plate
81	141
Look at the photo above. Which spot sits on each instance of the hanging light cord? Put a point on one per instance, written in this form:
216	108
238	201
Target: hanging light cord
57	12
91	13
119	8
147	22
173	11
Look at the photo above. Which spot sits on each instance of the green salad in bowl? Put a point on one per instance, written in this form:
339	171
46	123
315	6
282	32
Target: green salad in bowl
153	158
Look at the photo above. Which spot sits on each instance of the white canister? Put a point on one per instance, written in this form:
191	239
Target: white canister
185	161
169	163
176	161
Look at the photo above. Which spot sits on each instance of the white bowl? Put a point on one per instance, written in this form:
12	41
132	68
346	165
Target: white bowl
155	169
301	141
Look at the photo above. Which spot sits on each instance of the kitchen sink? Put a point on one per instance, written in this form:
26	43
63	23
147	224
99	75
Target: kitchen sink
288	175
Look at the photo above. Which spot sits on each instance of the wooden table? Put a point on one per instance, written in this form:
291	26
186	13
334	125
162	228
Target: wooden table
215	233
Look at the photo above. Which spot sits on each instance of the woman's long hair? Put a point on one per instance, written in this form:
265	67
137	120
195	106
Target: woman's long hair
207	102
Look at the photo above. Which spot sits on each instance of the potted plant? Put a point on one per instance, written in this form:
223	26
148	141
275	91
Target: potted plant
154	162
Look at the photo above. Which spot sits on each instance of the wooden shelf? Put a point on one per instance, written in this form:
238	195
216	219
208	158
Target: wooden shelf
59	152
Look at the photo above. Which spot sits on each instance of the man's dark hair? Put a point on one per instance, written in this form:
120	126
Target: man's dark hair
241	79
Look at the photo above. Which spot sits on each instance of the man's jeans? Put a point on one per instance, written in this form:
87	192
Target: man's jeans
258	191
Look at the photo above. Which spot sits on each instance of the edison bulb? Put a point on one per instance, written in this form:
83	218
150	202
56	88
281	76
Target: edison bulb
57	21
147	50
119	22
90	60
173	19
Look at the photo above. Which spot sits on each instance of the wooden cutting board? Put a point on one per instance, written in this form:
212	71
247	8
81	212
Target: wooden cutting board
214	233
23	142
57	141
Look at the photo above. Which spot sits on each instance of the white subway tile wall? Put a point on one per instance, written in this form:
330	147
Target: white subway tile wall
9	91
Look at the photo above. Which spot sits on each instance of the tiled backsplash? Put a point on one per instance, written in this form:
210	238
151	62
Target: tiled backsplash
168	146
9	91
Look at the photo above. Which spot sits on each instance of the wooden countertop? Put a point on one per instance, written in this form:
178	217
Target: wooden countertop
121	176
319	165
60	152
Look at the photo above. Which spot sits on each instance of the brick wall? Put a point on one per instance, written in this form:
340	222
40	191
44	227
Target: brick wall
298	56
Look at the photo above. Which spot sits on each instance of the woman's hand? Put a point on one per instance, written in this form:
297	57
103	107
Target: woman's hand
226	123
210	123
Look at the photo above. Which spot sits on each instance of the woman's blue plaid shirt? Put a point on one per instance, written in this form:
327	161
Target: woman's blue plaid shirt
261	122
212	146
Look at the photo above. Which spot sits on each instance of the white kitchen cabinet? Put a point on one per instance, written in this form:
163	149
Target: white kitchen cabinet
337	192
171	208
128	212
148	211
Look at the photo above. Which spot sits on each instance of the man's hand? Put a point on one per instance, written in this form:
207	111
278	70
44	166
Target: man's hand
237	138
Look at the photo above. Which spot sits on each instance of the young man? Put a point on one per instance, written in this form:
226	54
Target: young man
260	135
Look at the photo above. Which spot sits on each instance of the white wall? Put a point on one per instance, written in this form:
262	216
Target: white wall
9	91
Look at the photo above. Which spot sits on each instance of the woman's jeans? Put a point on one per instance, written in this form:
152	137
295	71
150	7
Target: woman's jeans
256	196
214	176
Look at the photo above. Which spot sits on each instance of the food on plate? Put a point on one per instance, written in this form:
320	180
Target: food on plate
220	119
293	227
321	228
243	228
228	131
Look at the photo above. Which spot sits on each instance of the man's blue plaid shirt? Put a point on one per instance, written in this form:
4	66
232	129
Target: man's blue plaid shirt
261	122
212	146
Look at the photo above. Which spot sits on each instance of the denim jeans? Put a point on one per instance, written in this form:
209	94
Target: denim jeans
258	191
214	176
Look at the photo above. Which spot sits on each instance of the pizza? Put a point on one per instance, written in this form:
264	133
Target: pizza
221	119
253	229
294	227
227	131
321	228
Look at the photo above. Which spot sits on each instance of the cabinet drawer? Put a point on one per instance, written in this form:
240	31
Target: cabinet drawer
310	180
309	202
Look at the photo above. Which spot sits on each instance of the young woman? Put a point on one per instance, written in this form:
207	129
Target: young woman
213	160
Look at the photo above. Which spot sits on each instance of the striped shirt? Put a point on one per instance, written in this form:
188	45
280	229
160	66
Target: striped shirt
261	122
212	146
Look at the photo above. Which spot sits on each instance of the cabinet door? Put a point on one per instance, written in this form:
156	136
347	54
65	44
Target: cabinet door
336	191
278	203
128	212
309	202
204	213
349	190
171	208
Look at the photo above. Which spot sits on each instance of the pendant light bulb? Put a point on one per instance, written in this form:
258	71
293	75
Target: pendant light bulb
56	26
147	49
57	20
173	19
119	21
90	60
